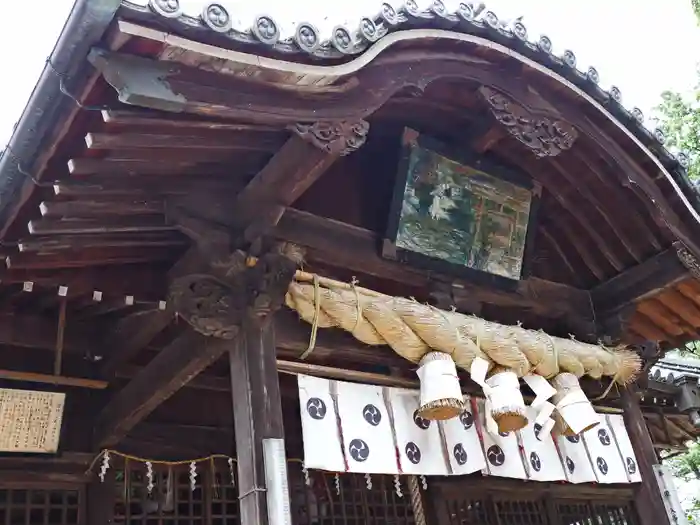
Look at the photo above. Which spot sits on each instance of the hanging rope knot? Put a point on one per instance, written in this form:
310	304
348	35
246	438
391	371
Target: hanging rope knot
314	325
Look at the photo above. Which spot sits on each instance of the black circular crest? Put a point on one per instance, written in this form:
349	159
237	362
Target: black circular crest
570	465
504	434
316	408
535	461
372	415
420	422
604	437
359	451
631	465
460	454
412	452
602	465
495	456
467	419
573	439
538	428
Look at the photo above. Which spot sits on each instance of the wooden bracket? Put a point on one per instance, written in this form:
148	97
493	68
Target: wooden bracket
686	257
336	138
546	137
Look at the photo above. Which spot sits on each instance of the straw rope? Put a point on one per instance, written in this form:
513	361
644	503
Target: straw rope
416	500
413	329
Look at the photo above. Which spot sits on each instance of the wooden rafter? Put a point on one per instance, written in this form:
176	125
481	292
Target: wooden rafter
290	172
642	280
594	199
131	335
169	371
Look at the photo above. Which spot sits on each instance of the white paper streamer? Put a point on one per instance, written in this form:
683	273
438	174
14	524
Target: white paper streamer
502	455
418	440
461	442
478	371
319	425
541	405
574	458
542	389
540	454
605	456
616	423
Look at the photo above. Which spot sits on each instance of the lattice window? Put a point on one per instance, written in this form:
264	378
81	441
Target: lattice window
171	501
480	508
320	503
614	514
40	507
513	512
224	500
469	512
575	513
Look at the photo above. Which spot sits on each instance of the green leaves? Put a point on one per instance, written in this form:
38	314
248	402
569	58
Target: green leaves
679	118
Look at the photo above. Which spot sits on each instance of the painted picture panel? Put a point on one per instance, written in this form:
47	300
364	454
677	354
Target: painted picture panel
462	215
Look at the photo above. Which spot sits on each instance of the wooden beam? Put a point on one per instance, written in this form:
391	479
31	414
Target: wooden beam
257	414
649	500
62	243
49	379
169	371
143	188
131	335
94	256
117	167
301	161
356	249
203	381
33	331
123	225
146	119
255	141
100	207
643	280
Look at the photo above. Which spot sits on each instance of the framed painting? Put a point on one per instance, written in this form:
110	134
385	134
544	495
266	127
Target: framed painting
458	213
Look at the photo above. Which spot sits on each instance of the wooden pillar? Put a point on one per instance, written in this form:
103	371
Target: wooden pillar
257	413
649	500
100	501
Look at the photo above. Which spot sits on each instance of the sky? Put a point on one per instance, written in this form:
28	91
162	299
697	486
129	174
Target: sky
639	46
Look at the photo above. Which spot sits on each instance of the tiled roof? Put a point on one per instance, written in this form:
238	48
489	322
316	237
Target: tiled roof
674	369
215	21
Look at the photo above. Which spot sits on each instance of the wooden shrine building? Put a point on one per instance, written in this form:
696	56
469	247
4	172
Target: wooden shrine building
174	172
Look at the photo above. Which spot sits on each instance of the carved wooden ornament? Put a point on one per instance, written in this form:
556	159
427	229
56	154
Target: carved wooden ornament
216	302
334	137
544	136
687	259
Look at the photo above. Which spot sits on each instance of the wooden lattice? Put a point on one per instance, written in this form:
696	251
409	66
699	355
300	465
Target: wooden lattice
482	509
40	507
316	499
215	498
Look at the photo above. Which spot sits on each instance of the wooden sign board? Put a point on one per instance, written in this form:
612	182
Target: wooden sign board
30	421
